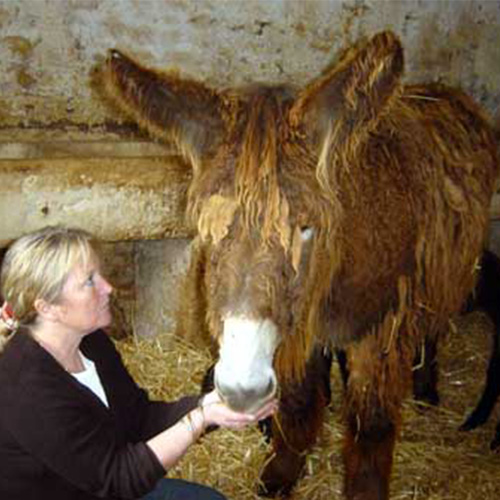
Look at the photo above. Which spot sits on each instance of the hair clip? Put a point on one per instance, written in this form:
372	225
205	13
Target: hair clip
7	317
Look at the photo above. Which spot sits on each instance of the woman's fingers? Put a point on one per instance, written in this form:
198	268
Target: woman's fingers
267	410
218	413
243	419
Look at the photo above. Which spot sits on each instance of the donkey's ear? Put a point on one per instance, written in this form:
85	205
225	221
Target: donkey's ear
340	107
179	110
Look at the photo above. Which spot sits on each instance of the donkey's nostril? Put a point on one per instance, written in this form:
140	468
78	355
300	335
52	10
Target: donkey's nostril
246	399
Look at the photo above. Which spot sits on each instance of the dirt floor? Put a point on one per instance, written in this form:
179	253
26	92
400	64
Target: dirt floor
433	460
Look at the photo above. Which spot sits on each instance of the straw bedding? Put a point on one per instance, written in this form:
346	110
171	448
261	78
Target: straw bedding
433	460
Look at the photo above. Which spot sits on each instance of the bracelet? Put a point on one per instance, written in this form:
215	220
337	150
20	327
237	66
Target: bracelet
188	421
203	419
202	404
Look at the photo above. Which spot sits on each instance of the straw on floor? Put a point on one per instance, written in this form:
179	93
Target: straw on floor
433	460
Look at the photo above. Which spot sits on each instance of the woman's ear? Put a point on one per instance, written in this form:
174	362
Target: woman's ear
45	310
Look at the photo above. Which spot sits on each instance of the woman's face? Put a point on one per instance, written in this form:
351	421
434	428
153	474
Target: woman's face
84	303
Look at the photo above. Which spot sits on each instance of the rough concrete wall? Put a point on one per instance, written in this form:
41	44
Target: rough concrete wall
160	265
47	106
62	155
47	47
146	276
116	199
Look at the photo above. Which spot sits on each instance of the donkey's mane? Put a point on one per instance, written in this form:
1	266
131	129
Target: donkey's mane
257	187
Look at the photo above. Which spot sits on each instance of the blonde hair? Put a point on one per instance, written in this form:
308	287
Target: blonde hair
37	265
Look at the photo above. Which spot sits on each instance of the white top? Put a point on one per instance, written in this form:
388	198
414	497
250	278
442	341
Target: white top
90	379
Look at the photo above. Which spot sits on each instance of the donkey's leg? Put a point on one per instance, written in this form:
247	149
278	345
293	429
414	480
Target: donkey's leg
342	361
491	391
377	383
368	453
486	299
426	372
296	426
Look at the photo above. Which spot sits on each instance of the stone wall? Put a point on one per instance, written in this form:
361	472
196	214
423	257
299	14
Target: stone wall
47	48
65	157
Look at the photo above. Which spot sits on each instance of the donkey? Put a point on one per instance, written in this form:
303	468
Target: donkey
348	214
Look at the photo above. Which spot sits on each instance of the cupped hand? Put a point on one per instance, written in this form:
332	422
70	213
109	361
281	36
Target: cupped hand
216	412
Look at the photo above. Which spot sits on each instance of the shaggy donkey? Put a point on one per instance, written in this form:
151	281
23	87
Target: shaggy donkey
349	213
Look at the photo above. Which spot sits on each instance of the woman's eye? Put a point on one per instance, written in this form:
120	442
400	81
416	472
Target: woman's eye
90	281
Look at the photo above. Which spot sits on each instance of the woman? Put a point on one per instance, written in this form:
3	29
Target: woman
73	423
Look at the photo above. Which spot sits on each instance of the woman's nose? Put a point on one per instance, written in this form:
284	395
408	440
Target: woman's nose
105	286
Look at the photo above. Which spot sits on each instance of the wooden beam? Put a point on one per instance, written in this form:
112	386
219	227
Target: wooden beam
83	149
115	198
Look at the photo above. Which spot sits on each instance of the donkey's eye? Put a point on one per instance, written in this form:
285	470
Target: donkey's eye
306	233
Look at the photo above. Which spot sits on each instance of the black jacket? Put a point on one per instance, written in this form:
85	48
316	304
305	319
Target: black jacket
58	441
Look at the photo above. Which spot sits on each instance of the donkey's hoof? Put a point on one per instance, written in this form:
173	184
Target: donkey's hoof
426	400
280	476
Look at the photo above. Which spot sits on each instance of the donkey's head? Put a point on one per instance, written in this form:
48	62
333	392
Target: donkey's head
264	197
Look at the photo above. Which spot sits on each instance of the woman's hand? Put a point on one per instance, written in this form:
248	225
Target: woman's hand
171	444
216	412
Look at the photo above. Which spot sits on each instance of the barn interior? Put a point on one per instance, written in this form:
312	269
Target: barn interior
66	157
